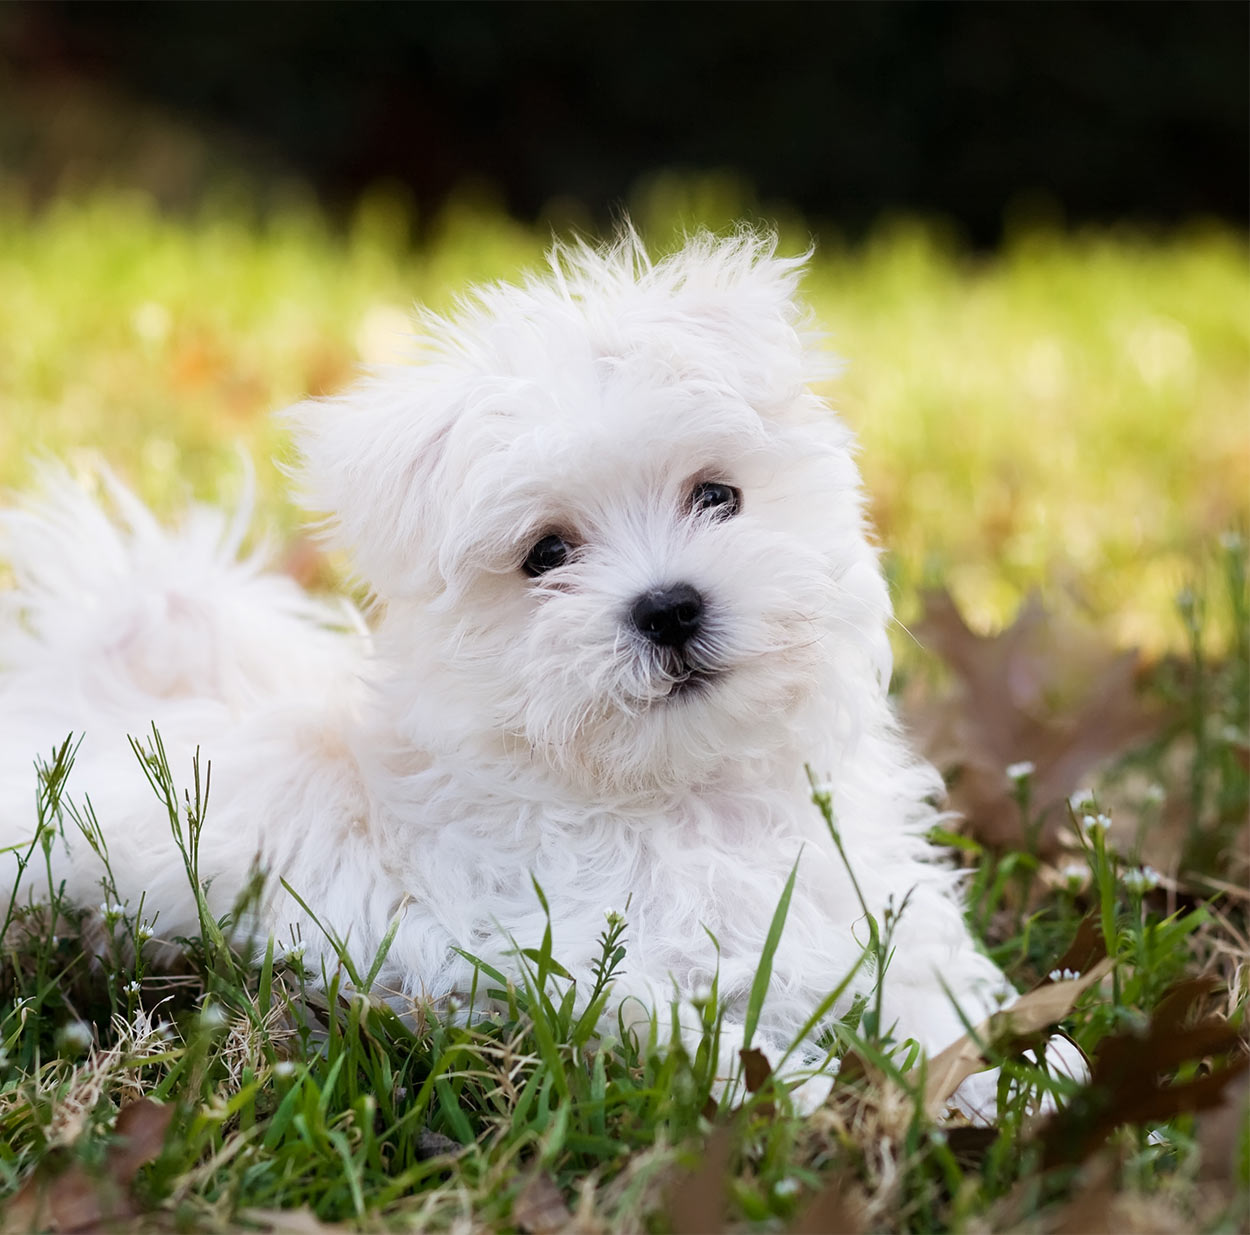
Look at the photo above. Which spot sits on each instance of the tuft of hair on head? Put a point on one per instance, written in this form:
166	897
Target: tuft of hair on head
704	263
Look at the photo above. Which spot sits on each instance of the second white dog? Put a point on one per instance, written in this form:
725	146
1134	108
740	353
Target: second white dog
624	599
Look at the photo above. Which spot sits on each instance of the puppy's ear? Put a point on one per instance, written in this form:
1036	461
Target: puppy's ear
368	461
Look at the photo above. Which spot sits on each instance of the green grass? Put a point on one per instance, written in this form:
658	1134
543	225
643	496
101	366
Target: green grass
1070	414
290	1093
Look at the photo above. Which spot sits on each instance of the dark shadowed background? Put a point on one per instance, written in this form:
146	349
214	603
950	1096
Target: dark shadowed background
975	112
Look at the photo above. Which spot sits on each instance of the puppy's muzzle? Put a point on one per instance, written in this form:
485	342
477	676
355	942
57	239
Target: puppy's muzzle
670	617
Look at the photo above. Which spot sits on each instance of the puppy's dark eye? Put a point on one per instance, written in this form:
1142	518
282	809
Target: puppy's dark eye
722	501
546	555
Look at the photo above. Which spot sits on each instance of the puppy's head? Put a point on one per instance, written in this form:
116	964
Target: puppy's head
613	532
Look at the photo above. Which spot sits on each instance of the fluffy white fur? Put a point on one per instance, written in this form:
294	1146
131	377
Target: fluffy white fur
495	725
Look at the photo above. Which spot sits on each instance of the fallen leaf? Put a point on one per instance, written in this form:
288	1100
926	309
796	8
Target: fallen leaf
540	1208
755	1068
1047	690
853	1068
1087	949
969	1143
1178	1004
1089	1209
140	1129
837	1209
697	1199
1219	1131
1011	1029
1130	1080
755	1073
78	1200
287	1222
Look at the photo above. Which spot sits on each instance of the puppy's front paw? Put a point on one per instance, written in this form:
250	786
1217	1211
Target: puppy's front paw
977	1097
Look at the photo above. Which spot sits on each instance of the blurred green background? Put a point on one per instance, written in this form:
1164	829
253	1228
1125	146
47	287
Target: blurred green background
1030	234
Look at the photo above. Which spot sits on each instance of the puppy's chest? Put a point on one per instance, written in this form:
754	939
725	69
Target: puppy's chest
713	863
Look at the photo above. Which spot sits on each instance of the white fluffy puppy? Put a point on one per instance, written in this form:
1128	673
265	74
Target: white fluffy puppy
624	598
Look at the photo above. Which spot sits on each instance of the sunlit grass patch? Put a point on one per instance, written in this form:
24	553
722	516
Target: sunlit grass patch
1070	412
241	1084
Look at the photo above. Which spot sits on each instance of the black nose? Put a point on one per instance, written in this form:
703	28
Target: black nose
669	616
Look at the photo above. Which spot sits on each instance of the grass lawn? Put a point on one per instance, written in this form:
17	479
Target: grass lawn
1069	415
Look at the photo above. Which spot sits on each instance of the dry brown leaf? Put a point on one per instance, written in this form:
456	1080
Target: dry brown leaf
755	1068
755	1073
1017	1025
1089	1209
76	1200
1220	1129
1047	690
540	1208
1087	949
288	1222
852	1068
837	1209
141	1127
969	1143
1129	1082
697	1199
1181	1001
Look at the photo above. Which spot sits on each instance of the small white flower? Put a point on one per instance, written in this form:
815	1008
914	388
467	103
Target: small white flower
112	913
1156	794
212	1016
1141	879
823	789
1064	975
453	1004
1074	875
295	952
1020	771
1095	823
786	1187
143	932
1082	800
76	1035
131	988
614	917
284	1069
701	994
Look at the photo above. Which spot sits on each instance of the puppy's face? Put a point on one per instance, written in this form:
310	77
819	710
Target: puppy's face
612	529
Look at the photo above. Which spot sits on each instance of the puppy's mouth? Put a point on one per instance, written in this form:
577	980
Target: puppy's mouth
692	682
